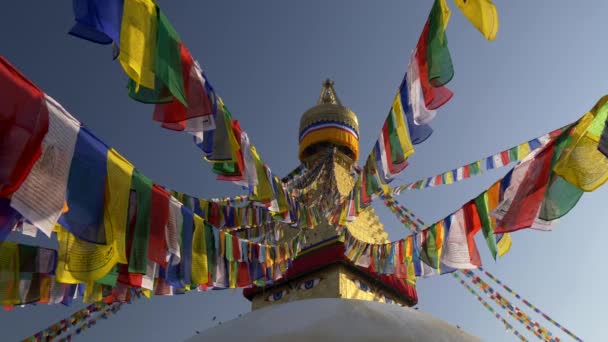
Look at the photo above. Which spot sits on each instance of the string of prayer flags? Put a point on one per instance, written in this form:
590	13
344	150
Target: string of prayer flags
497	160
162	71
104	314
57	329
531	325
528	304
103	192
485	304
405	216
482	14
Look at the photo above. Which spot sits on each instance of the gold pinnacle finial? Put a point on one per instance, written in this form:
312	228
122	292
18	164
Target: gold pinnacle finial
328	93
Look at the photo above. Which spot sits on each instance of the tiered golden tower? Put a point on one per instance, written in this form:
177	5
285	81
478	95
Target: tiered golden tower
329	135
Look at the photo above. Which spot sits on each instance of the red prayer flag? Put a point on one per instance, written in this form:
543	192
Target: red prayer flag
466	171
174	115
504	155
472	226
438	179
243	278
159	216
530	194
24	122
236	252
433	97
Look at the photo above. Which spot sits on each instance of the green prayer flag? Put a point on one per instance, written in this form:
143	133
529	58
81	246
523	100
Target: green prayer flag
483	210
139	248
440	66
429	253
110	278
475	168
560	196
169	81
513	154
211	253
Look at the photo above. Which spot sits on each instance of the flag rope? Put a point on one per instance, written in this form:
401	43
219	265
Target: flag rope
530	305
495	161
485	304
539	331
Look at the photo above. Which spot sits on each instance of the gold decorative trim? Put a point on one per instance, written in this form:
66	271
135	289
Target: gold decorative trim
329	112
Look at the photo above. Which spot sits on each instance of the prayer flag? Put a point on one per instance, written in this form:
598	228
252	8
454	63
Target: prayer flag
116	206
434	97
141	234
98	20
524	206
159	217
86	189
25	122
440	69
42	196
582	164
418	133
482	14
138	41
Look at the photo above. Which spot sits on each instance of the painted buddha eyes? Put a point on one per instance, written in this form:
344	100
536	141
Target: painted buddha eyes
306	285
309	284
363	286
276	296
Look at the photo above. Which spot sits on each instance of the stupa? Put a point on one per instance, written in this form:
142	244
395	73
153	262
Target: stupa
323	295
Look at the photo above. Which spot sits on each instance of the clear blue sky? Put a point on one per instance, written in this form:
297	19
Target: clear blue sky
267	60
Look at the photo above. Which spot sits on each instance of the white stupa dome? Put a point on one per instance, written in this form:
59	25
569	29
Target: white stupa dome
331	319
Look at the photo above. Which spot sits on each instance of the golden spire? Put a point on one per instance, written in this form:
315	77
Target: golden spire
328	122
328	94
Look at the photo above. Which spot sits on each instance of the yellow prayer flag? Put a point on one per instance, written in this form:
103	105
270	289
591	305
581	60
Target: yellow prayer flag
482	14
116	206
523	150
200	271
79	261
263	191
449	177
9	273
92	292
138	41
445	13
504	245
233	271
402	132
581	164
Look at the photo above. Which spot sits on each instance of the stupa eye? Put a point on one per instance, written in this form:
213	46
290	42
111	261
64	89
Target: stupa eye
277	296
363	286
309	284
